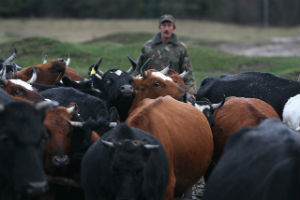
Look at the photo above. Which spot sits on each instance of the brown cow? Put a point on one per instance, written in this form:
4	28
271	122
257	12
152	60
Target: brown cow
20	90
154	84
49	73
58	145
185	134
61	129
236	113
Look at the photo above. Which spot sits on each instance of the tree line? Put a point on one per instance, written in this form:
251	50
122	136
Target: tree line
258	12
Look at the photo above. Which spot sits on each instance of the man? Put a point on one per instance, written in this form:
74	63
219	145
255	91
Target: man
165	49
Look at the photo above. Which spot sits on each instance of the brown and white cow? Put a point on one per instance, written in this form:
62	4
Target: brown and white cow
184	133
20	90
153	84
236	113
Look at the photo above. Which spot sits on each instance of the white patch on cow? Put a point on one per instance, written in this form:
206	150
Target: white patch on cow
291	112
98	76
162	76
22	83
202	107
138	76
118	72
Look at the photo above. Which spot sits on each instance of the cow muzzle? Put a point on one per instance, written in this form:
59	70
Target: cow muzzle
35	188
126	90
60	160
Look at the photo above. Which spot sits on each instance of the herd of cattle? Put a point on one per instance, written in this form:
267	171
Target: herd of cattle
113	136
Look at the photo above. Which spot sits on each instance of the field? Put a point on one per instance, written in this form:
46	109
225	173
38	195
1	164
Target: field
88	39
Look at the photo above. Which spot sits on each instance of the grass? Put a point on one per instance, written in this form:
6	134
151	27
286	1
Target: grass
88	39
206	61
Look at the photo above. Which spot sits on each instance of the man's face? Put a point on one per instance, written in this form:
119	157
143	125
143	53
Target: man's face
166	29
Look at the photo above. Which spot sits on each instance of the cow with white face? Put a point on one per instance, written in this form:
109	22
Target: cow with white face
21	90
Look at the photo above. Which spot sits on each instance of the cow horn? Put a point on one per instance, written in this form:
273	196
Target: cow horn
165	70
76	123
45	59
107	143
133	65
1	107
33	77
68	60
142	71
151	146
72	109
12	57
183	74
3	78
113	124
96	67
218	105
45	104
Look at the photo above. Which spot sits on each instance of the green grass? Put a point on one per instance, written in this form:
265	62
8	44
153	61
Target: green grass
115	48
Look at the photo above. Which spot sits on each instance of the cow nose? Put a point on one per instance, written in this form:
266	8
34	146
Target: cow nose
37	187
126	89
60	160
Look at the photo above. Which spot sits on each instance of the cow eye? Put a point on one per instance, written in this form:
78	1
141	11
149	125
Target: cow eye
107	81
156	84
17	92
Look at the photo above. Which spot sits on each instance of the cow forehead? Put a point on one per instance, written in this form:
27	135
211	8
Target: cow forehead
162	76
118	72
22	83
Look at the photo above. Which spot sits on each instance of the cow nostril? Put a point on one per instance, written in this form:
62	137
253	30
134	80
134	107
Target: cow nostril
37	187
126	89
60	160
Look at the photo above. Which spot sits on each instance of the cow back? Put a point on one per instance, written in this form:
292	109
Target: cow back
185	134
236	113
258	163
264	86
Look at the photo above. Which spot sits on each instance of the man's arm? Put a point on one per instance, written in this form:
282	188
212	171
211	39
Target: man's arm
189	79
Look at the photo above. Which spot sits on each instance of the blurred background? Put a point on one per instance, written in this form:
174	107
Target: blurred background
223	36
259	12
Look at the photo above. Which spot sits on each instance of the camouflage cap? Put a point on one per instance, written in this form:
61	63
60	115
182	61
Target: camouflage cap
166	17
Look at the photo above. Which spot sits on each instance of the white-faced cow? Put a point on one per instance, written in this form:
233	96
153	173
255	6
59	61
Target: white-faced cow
127	163
260	162
265	86
20	90
22	136
184	133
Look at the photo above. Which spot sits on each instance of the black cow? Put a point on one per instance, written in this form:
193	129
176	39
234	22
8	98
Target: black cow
5	98
260	162
90	107
127	163
9	65
265	86
22	136
116	86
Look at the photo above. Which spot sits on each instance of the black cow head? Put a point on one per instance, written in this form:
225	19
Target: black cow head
128	163
117	88
208	109
22	136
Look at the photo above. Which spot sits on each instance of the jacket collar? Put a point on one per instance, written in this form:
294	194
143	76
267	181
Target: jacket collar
157	39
